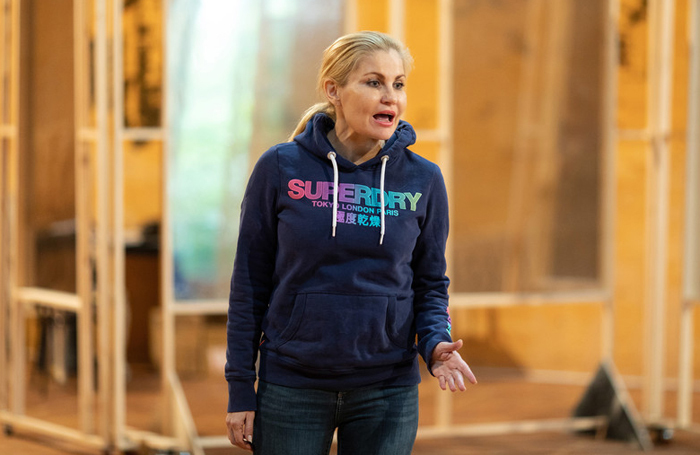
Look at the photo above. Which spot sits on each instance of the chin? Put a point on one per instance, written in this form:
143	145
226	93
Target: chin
384	135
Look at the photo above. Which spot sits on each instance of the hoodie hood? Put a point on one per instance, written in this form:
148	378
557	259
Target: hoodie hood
315	139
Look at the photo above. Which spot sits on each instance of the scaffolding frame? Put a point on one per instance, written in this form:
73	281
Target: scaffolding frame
92	180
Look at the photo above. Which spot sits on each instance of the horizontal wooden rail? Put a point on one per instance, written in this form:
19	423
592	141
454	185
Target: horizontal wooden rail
197	307
54	299
500	299
524	426
61	432
143	134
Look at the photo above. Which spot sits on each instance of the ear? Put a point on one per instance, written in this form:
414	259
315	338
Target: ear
332	92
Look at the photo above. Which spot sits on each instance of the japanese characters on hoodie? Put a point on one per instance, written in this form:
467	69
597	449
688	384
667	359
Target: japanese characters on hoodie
337	305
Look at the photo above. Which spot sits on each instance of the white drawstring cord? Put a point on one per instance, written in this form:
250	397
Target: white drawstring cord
331	156
384	158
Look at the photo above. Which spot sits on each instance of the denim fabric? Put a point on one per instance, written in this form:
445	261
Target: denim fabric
380	421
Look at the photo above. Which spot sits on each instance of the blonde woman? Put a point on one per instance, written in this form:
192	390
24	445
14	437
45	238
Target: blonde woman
340	267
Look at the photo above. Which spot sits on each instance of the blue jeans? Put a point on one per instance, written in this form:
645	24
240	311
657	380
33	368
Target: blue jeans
381	421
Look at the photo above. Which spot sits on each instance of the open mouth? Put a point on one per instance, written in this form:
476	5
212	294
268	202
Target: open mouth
385	117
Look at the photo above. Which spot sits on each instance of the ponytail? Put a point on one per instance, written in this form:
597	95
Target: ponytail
326	108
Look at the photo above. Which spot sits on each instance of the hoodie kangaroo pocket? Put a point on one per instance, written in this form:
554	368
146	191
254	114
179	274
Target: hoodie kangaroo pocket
339	332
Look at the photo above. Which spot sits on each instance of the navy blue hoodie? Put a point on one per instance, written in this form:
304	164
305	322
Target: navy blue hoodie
337	310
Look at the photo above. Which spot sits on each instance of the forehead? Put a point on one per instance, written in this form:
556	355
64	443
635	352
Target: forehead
387	63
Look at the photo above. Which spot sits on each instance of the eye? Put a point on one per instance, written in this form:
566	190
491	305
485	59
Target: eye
399	85
373	83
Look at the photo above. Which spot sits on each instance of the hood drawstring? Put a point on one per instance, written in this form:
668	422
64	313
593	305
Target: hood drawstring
331	156
385	158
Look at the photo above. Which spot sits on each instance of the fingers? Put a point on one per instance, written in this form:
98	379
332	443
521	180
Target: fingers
236	437
454	382
459	382
248	432
240	429
468	373
451	383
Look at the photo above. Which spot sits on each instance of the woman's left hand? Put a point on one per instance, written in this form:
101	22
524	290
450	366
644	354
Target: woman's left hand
447	365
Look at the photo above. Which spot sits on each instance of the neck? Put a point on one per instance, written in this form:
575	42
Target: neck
354	151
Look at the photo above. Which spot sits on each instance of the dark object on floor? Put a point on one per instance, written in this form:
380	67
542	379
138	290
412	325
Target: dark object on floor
606	396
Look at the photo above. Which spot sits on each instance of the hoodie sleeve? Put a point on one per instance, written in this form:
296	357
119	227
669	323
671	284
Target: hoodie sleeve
429	265
251	282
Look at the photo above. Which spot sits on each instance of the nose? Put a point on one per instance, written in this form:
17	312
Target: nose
389	97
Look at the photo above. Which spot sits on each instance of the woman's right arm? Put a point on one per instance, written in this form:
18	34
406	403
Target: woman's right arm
251	281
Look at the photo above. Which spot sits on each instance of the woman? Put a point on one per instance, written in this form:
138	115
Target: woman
330	289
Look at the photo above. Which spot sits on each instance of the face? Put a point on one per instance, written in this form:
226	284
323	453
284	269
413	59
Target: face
370	104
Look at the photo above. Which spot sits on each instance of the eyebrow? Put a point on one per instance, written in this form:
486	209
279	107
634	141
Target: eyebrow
382	76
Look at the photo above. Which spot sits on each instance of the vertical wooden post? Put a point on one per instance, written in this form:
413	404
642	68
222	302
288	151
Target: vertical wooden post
11	206
4	244
103	188
19	354
658	188
525	126
607	225
444	409
4	282
120	337
350	18
547	158
691	269
86	396
397	19
166	259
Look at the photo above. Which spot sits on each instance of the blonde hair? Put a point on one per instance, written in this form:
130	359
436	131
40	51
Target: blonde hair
341	58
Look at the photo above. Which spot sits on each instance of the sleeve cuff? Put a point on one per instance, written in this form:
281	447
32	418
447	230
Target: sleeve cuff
241	395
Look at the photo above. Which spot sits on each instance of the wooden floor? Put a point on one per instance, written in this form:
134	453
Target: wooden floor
498	397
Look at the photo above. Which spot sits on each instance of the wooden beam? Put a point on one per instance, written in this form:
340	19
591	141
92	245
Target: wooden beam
609	176
4	249
661	28
199	307
59	432
505	299
135	134
521	426
166	256
691	268
397	19
84	266
444	409
9	232
53	299
119	340
350	17
183	415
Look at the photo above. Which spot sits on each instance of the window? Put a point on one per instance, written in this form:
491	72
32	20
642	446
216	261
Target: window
240	75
